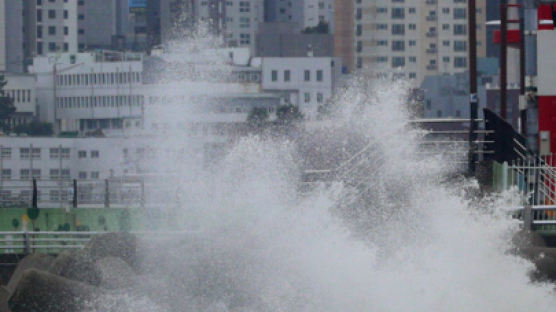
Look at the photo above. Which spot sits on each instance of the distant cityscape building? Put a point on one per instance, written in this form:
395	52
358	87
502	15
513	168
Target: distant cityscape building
50	26
309	81
22	89
301	13
103	24
416	38
281	40
89	91
344	31
12	35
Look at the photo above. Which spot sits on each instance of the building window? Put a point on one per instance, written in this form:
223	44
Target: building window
54	152
24	153
51	46
54	174
6	152
460	46
319	75
39	15
65	174
320	97
446	59
287	75
36	153
460	62
82	175
95	175
6	174
39	32
274	75
307	75
24	174
398	13
398	45
95	154
307	97
51	14
460	29
82	154
398	29
460	13
52	30
65	153
382	26
81	17
65	14
398	62
412	75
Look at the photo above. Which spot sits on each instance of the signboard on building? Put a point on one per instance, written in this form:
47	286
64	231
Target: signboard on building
137	6
137	3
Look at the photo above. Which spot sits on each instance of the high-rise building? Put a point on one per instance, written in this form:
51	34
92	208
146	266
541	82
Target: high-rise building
12	35
303	13
344	32
50	26
102	24
415	38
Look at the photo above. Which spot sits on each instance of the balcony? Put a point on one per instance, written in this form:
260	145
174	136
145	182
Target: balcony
431	18
432	34
431	50
430	2
431	67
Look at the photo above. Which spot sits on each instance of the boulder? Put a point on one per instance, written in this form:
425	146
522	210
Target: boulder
76	265
4	297
115	273
33	261
120	245
526	239
46	292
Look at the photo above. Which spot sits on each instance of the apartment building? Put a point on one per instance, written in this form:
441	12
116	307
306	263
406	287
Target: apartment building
50	26
413	38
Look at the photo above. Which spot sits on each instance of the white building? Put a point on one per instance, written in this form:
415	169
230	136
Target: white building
90	91
316	11
310	81
52	26
21	88
418	38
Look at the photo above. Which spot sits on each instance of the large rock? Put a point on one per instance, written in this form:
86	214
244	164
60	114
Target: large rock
120	245
4	297
45	292
33	261
115	273
76	265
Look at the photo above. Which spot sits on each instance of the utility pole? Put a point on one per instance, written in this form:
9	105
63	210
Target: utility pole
503	58
473	98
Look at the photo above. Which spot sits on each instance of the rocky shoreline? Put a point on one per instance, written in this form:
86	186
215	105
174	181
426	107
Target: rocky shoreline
74	280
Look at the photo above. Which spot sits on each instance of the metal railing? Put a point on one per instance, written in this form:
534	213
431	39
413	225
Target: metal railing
62	193
55	242
539	218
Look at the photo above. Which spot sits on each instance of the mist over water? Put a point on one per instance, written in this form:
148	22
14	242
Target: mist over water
391	235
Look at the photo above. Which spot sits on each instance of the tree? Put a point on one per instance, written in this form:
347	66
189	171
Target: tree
257	117
321	28
35	128
7	108
288	113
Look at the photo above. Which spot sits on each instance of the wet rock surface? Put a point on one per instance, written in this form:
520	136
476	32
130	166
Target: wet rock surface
97	278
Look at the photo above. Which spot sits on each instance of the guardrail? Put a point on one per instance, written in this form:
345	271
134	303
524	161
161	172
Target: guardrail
56	242
540	218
